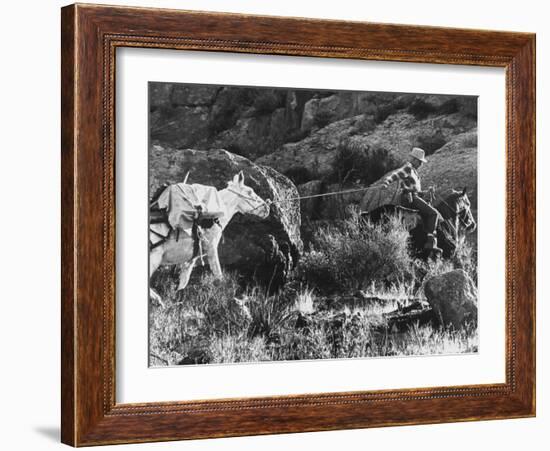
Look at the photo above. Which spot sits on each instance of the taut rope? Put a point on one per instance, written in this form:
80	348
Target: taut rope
333	193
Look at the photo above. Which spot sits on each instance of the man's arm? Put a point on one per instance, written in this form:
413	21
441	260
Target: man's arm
398	174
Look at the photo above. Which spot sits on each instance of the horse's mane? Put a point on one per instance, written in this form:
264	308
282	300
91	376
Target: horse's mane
443	202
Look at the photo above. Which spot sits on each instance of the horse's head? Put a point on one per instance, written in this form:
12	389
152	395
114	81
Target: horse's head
247	201
459	205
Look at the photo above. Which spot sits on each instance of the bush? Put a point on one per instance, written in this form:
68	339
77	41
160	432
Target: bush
364	125
269	314
383	112
421	109
431	142
357	162
218	302
223	322
357	254
465	258
449	107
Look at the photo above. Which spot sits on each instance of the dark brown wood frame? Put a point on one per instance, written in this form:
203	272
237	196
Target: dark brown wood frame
90	36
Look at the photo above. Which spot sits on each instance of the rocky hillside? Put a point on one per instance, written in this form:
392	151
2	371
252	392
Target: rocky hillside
323	140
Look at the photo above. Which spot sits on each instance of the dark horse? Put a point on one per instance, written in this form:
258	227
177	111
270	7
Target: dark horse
455	220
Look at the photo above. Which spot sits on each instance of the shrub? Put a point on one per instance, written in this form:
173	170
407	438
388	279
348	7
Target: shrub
431	142
465	258
269	313
358	253
315	268
383	111
221	304
208	326
449	107
364	125
355	161
421	109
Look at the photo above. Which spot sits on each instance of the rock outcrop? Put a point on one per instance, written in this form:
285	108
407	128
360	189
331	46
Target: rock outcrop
453	297
454	166
250	246
247	121
397	134
305	134
315	154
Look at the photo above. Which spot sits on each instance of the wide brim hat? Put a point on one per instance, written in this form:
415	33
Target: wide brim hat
419	154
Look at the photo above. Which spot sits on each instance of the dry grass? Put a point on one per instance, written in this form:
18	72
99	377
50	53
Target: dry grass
300	327
225	322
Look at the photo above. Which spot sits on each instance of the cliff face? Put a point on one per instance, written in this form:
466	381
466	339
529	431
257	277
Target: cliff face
339	140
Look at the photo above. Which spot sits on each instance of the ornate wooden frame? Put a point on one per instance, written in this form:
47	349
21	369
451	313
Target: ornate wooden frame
90	36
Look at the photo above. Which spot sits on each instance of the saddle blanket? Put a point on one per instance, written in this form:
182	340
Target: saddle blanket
183	201
377	196
158	232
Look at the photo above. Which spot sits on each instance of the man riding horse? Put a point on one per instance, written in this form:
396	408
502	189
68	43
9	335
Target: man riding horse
410	193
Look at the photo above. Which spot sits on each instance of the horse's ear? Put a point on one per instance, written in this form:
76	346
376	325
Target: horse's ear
235	178
241	178
464	191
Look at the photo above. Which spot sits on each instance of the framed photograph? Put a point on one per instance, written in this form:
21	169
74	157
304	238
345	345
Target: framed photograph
279	225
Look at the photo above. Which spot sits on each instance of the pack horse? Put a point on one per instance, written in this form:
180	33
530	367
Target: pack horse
187	223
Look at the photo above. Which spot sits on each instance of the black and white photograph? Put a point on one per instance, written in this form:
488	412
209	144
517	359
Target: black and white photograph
275	225
295	224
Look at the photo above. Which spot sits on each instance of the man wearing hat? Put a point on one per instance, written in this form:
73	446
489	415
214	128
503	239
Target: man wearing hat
409	183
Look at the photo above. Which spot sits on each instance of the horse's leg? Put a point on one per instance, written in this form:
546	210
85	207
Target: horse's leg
214	262
186	269
213	258
155	258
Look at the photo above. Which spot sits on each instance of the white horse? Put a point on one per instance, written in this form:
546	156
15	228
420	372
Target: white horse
236	198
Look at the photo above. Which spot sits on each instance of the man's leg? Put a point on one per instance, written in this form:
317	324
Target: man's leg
429	214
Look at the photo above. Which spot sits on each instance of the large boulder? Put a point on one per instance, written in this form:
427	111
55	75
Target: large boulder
181	126
453	297
454	166
320	111
193	95
251	246
251	136
315	154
